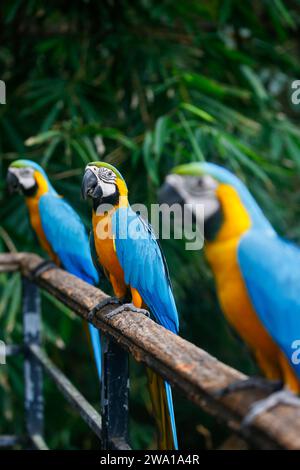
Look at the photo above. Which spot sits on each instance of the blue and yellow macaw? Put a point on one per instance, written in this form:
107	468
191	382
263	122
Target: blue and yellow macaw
129	254
58	227
257	273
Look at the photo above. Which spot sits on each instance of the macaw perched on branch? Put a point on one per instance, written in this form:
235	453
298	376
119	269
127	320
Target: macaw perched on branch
257	273
58	227
129	254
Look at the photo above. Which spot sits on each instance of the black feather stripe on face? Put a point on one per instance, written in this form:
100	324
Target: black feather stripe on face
112	200
30	192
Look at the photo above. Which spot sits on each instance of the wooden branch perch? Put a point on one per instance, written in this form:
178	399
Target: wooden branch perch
190	369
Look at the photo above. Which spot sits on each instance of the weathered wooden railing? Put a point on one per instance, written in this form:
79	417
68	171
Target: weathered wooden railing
188	368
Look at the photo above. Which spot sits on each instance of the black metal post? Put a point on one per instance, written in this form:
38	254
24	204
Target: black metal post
33	375
114	395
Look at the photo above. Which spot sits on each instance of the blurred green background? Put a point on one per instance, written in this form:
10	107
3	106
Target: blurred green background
144	85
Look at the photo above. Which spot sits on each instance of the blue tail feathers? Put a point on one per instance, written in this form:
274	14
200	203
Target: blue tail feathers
95	339
171	411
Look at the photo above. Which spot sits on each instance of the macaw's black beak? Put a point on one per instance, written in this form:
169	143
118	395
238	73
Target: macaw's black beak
12	182
193	191
90	186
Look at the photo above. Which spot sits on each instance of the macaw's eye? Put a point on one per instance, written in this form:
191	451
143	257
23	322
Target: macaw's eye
26	172
110	173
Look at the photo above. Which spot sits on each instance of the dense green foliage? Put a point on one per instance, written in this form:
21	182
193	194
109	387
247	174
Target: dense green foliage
143	84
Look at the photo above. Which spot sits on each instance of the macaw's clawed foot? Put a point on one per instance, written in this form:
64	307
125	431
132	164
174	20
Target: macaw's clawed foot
283	397
42	268
252	382
127	308
100	305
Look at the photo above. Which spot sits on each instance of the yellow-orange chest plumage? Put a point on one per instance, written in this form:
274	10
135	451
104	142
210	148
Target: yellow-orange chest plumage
222	254
106	252
35	218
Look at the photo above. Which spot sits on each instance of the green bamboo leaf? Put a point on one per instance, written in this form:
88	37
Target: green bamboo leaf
14	306
7	294
293	149
90	148
249	152
42	137
198	152
214	88
80	150
161	134
116	135
225	10
50	151
52	116
255	82
44	101
234	150
284	13
149	161
198	111
51	336
130	144
12	11
12	134
276	142
289	128
227	115
46	45
61	307
88	110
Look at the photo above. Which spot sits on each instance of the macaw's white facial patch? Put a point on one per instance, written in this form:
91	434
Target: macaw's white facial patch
25	177
108	188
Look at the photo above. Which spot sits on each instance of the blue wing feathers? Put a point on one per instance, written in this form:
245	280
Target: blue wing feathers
270	267
144	267
67	236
